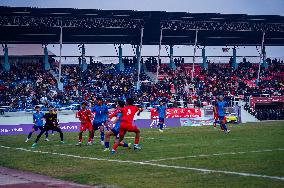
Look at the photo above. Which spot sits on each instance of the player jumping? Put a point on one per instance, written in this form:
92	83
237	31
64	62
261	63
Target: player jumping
115	130
162	114
101	111
85	115
126	124
51	124
38	123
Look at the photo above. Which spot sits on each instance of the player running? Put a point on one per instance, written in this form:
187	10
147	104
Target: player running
220	105
85	116
126	124
51	124
38	123
115	130
101	111
162	114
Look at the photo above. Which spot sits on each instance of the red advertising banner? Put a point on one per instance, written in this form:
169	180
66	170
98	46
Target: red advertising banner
178	113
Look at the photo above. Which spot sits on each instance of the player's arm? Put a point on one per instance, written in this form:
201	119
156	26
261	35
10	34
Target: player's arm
33	119
113	115
139	111
116	119
91	115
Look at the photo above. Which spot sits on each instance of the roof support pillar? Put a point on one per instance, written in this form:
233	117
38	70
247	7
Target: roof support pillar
194	53
60	84
159	56
120	61
6	65
261	57
84	63
139	58
172	65
45	59
235	64
204	59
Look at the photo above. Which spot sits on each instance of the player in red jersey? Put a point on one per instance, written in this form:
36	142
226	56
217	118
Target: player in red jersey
215	114
85	116
126	125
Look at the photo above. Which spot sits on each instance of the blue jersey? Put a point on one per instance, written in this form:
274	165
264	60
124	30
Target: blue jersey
221	107
101	113
117	124
161	111
105	114
38	119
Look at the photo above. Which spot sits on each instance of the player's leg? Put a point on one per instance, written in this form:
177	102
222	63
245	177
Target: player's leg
161	124
90	128
137	136
102	131
225	125
57	129
122	132
46	136
107	139
46	128
80	138
30	134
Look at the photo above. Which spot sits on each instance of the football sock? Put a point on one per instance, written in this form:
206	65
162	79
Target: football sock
30	135
102	136
125	145
161	126
115	147
136	140
225	127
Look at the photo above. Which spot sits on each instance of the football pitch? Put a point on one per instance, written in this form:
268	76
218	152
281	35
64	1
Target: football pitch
251	155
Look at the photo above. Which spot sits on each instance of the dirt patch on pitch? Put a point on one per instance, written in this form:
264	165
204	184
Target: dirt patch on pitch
11	178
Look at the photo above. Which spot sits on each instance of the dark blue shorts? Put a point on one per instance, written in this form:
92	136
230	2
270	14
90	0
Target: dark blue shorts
97	125
221	118
115	132
161	120
36	128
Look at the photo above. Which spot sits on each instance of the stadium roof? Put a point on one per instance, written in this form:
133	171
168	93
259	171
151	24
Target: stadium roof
25	50
42	26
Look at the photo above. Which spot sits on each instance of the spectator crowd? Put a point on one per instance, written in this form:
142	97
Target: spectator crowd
27	84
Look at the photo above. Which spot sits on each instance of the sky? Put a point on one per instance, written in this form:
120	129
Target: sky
253	7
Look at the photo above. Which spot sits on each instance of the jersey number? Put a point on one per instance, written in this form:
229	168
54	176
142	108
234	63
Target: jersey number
128	112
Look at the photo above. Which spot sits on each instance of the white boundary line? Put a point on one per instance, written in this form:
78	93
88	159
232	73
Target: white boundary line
215	154
151	164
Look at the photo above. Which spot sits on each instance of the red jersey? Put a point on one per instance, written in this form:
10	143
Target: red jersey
128	113
113	114
85	116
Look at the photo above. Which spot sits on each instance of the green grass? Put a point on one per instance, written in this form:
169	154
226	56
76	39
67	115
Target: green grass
174	142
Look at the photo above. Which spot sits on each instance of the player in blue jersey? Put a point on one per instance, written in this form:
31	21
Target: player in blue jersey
161	109
101	111
115	130
220	105
38	117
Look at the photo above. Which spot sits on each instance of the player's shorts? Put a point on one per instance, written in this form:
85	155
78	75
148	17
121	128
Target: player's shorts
85	126
161	120
115	132
222	118
51	128
127	128
97	125
36	128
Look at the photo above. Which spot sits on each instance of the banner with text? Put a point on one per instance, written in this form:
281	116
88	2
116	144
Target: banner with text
178	113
